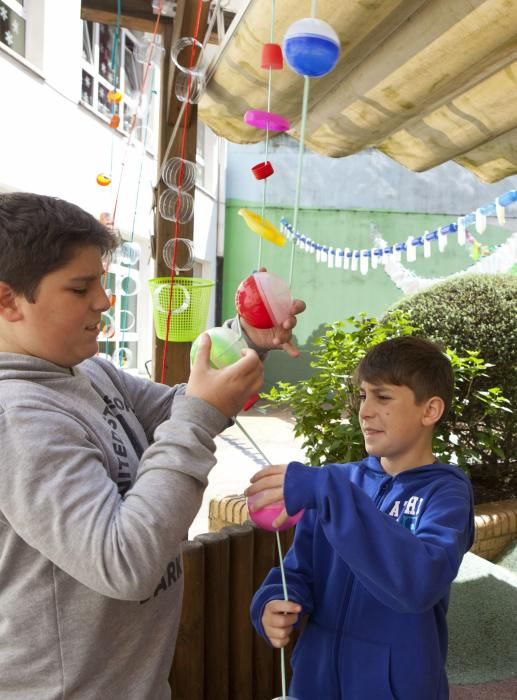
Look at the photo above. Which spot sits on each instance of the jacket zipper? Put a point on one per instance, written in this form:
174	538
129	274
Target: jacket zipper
384	487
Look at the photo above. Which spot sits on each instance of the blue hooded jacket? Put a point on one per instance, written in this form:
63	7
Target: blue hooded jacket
371	565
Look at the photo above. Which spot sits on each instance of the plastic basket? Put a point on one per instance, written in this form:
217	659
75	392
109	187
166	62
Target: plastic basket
188	304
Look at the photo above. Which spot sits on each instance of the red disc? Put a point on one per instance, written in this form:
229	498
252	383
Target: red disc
262	170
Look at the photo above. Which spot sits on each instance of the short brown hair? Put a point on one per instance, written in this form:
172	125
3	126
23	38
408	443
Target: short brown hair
410	361
39	234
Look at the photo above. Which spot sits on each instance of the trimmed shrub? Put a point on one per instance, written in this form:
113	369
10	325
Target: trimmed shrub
477	313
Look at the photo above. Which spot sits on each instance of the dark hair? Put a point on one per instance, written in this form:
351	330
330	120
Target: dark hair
410	361
39	234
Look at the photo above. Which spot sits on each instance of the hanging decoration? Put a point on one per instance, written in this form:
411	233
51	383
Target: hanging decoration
118	325
271	59
312	49
501	260
179	175
363	259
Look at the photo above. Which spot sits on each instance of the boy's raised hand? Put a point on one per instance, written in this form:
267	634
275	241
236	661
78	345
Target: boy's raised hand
229	388
278	620
278	336
269	482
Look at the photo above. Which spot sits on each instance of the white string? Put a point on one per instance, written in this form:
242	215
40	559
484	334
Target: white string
280	556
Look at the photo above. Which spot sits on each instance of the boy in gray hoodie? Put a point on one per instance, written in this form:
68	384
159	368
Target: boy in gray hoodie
101	472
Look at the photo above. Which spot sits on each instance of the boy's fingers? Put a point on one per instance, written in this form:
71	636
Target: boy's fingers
203	351
291	349
272	496
280	520
268	471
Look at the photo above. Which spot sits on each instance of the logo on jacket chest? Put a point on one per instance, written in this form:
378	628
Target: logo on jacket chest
407	512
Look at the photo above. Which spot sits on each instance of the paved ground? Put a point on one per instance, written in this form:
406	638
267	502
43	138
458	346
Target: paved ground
483	610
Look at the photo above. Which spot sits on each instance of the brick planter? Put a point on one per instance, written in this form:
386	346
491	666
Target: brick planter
496	523
496	528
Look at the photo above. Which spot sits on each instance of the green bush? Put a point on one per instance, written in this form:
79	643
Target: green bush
477	314
325	405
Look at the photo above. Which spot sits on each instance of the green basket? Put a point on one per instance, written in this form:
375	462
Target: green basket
188	304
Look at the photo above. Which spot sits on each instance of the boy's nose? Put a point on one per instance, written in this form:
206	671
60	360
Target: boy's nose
365	408
102	300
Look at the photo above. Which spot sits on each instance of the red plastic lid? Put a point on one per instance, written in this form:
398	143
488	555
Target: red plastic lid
272	57
262	170
250	304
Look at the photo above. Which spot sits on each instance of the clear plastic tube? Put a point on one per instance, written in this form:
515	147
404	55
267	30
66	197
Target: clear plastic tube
176	205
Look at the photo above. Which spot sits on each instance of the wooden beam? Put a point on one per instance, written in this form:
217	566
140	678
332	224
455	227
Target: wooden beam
136	14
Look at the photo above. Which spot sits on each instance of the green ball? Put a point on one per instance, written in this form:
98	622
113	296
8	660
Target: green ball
226	347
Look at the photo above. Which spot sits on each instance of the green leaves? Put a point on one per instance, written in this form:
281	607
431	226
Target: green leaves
325	405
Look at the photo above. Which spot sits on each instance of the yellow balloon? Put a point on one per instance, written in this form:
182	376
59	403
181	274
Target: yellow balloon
263	227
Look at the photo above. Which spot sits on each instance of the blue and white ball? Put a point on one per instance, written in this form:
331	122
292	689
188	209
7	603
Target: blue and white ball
311	47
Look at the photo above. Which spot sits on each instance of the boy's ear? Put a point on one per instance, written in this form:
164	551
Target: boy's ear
9	307
434	409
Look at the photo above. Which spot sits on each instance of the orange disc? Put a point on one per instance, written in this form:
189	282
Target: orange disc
114	96
103	180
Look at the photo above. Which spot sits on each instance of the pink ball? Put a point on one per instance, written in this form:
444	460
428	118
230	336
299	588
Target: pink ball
264	517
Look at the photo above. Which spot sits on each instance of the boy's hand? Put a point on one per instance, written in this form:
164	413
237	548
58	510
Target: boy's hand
278	620
229	388
279	336
269	482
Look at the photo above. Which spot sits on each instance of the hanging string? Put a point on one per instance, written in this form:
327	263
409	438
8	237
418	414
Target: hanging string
280	556
184	104
305	106
266	153
115	71
134	117
125	297
180	184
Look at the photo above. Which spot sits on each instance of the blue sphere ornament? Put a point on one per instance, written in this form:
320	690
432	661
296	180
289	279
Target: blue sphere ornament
311	47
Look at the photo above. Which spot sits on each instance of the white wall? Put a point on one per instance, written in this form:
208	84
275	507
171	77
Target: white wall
51	144
366	180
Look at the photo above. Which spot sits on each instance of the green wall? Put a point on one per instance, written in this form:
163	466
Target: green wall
333	294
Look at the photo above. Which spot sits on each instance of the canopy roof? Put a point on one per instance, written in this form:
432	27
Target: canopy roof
424	81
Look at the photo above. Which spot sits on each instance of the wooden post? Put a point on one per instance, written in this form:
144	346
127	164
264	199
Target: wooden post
186	678
263	559
177	361
217	603
241	591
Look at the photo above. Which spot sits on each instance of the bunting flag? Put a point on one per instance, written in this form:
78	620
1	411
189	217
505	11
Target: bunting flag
364	259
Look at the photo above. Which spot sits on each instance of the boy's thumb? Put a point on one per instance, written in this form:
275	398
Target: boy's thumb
203	350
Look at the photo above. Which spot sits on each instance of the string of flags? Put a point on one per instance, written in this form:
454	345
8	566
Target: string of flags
362	259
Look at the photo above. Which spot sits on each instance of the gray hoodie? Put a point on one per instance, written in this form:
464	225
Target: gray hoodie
101	475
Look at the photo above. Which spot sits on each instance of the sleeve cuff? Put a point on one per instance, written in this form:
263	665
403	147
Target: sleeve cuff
300	486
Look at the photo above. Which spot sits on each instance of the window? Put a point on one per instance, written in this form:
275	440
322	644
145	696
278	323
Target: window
12	25
110	65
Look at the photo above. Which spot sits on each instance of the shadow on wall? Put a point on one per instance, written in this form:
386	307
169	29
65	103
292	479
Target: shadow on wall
482	631
280	367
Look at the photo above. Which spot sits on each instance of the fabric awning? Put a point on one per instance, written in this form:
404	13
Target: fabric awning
423	81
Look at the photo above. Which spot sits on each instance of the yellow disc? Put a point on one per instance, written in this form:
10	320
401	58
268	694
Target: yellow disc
263	227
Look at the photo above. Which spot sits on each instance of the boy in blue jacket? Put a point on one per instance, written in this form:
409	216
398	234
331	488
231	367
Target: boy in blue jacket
379	544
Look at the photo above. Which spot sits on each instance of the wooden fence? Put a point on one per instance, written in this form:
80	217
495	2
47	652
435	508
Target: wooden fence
219	656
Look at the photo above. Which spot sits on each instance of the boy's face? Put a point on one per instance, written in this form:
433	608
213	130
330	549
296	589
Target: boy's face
395	427
62	325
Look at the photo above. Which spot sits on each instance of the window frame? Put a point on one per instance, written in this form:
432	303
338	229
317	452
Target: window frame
20	10
128	105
